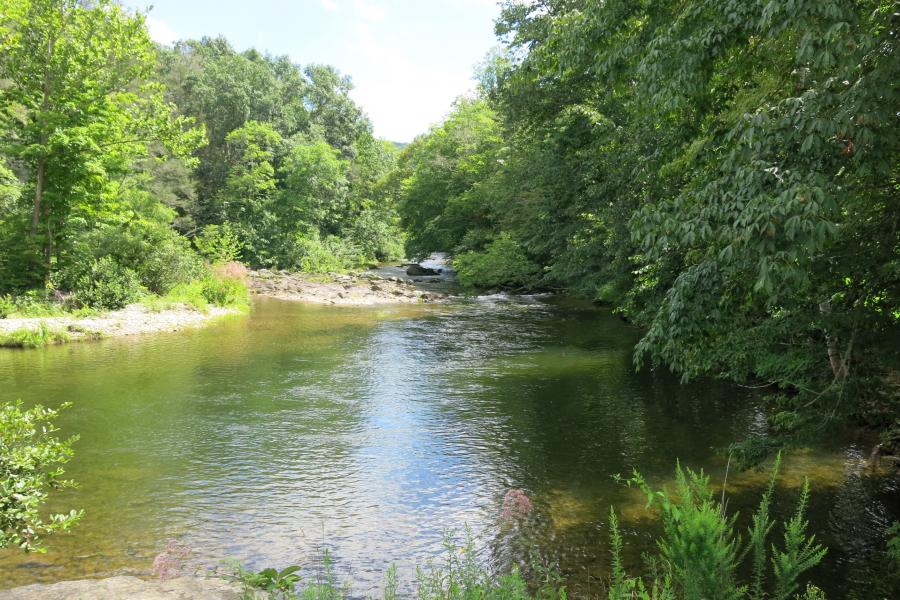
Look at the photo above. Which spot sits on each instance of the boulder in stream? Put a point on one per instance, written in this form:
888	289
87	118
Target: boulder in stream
415	270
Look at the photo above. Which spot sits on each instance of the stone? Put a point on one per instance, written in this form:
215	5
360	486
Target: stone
128	588
420	271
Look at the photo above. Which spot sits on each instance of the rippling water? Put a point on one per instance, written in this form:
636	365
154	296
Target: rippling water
369	432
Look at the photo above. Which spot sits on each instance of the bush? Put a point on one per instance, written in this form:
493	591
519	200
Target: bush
312	254
108	285
31	460
216	290
33	303
219	243
502	264
168	264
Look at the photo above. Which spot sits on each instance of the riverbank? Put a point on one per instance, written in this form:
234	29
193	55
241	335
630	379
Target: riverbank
130	588
134	319
364	289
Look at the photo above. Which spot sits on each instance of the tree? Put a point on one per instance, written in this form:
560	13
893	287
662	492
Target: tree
78	108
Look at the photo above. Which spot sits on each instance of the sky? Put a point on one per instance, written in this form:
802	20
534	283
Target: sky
409	59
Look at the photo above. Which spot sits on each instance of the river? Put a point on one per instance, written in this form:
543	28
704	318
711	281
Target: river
371	431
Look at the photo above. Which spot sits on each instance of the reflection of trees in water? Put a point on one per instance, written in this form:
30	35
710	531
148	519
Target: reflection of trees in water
859	510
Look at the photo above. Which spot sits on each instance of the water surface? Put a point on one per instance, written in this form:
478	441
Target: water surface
370	431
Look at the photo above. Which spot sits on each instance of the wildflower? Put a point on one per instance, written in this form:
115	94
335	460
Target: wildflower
167	563
516	505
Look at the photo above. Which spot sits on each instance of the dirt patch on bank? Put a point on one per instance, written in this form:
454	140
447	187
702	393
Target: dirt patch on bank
365	289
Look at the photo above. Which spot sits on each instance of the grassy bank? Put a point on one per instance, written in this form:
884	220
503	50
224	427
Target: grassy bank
39	319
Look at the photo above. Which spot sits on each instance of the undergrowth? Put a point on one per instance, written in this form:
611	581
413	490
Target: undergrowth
37	337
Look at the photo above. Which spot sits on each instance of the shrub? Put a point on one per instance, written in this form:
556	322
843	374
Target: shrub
502	264
219	243
31	461
311	254
700	550
215	290
107	284
171	262
33	303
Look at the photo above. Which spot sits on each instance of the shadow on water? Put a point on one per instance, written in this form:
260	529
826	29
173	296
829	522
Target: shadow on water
371	431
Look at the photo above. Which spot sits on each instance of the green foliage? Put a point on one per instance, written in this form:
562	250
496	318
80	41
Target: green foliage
278	584
502	264
106	284
458	576
893	542
723	173
219	243
702	552
101	163
29	305
311	254
699	543
81	106
31	464
37	337
759	532
800	552
213	290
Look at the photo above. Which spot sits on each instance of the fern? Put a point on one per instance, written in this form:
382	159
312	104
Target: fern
759	531
801	552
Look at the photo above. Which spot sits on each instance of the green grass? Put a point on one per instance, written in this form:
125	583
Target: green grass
33	338
203	293
34	304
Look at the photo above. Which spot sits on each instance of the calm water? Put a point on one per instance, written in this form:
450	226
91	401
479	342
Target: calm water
370	431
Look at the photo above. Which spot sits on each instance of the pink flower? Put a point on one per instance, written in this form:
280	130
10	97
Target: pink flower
167	563
516	505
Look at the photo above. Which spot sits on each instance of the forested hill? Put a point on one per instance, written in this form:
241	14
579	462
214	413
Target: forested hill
125	163
723	173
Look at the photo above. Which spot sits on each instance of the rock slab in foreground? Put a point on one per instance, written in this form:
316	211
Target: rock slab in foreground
128	588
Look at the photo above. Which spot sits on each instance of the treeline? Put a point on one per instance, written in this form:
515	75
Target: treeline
127	169
725	173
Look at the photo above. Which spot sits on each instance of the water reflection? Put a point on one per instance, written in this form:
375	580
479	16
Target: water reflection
371	431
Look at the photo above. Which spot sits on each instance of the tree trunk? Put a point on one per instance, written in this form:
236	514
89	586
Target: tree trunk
38	196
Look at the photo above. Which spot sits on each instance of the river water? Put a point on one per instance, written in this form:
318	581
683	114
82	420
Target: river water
369	432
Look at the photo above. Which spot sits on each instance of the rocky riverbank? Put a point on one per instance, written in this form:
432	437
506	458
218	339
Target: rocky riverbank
134	319
364	289
128	588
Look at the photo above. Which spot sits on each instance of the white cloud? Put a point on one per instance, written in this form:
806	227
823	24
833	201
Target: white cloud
329	5
160	31
401	95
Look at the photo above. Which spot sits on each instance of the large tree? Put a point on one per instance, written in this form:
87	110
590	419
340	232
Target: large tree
77	108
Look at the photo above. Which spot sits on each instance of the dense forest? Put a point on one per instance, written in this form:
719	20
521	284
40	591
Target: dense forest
724	174
124	164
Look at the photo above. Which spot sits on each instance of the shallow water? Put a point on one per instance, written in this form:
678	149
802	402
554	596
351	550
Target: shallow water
369	432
